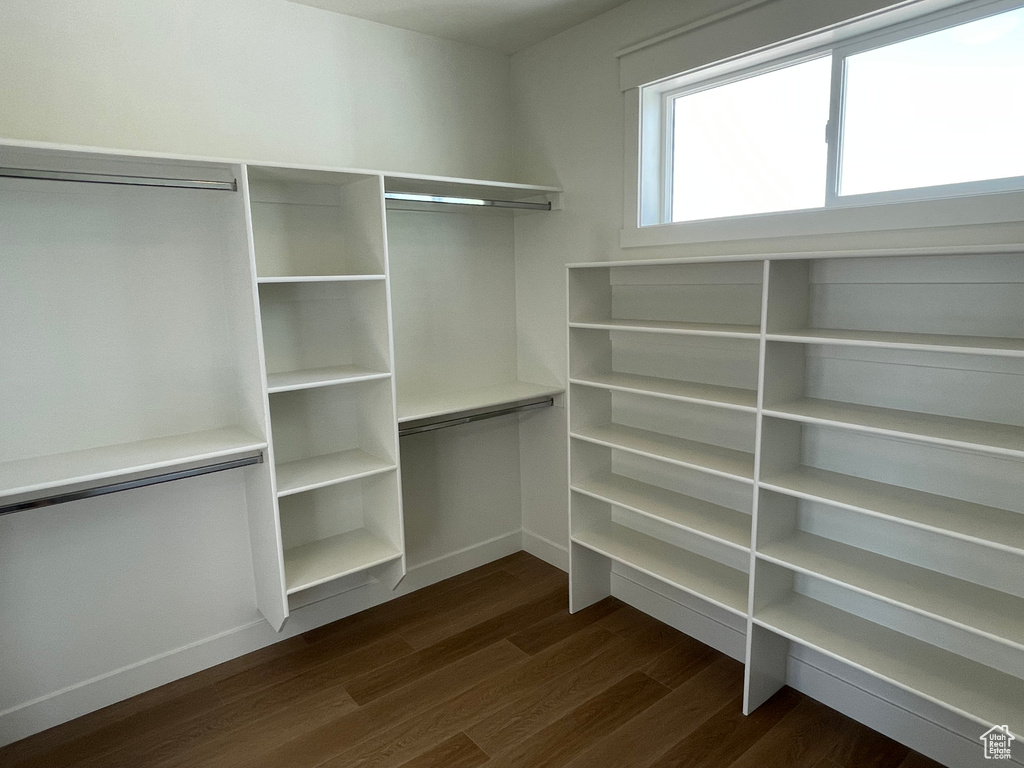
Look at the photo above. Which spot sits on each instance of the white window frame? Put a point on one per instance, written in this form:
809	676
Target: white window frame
653	126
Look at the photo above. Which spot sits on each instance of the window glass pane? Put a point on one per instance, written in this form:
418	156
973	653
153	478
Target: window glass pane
942	108
752	146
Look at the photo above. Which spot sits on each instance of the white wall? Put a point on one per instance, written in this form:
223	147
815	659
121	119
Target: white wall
252	79
104	598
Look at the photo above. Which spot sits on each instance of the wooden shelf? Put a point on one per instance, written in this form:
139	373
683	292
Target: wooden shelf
685	329
706	394
290	381
713	459
1000	439
320	561
978	609
426	405
998	528
320	471
711	521
111	462
318	279
927	342
973	690
710	580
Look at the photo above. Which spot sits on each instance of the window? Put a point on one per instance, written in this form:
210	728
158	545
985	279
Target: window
931	109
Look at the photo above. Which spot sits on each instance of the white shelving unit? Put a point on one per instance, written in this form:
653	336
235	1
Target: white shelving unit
663	398
320	277
884	441
129	337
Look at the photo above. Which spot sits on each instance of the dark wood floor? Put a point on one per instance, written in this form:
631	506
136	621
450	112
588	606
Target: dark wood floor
487	668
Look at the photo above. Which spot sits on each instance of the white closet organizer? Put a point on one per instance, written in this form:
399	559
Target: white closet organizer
873	409
128	348
321	270
455	311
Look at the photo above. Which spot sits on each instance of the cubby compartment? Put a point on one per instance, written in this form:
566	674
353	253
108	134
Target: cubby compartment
703	505
696	565
935	660
968	401
973	497
711	299
317	334
712	371
967	304
332	434
918	571
700	437
338	530
316	224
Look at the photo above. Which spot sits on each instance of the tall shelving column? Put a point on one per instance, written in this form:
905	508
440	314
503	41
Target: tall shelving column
661	449
890	523
321	273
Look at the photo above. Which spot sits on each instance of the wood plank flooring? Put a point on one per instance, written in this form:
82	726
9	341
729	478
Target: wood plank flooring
485	669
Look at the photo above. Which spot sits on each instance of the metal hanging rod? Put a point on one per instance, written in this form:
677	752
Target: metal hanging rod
443	421
449	200
113	178
128	485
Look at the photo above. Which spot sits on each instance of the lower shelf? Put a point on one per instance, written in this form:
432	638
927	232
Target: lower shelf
701	517
993	527
321	561
703	457
707	579
980	693
953	601
320	471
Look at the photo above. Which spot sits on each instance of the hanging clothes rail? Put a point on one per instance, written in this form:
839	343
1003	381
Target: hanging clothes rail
110	178
443	421
128	485
407	197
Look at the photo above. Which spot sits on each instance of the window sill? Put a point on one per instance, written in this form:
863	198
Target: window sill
994	208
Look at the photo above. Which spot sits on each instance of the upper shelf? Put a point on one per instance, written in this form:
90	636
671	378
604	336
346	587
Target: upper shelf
928	342
423	411
92	466
449	186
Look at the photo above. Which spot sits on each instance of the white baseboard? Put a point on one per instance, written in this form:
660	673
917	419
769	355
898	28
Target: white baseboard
546	550
87	696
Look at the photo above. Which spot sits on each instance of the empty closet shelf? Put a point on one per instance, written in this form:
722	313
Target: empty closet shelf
703	518
704	457
425	411
931	342
320	471
664	326
700	576
1002	439
318	278
998	528
973	690
75	470
964	604
707	394
321	561
288	381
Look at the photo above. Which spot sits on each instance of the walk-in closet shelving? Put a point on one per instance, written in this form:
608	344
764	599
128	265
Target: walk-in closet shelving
888	511
663	391
321	280
455	298
128	333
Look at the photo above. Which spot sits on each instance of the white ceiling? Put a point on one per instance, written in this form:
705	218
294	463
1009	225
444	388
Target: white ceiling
502	25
